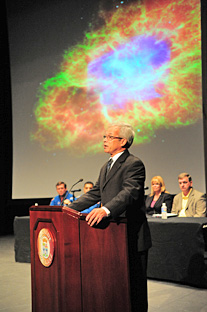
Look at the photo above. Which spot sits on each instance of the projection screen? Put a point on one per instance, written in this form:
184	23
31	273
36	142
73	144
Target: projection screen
77	66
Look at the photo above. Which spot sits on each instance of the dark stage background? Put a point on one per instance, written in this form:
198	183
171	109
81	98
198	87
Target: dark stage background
11	207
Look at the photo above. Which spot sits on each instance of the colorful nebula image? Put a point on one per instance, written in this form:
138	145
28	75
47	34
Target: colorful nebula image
141	66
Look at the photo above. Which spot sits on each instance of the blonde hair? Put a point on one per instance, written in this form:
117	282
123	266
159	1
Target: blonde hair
161	182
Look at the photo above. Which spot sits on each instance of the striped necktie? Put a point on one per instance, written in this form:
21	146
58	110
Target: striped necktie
108	166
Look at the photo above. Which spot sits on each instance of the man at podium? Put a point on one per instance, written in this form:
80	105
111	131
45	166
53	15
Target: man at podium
120	188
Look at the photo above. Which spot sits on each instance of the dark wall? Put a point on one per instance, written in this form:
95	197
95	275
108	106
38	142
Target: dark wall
5	123
9	208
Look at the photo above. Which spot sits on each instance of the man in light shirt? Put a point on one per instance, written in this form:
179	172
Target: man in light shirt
190	202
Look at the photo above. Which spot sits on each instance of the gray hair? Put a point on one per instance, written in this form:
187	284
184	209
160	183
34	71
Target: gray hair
126	131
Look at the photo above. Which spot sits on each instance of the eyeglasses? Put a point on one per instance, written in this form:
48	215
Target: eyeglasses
111	137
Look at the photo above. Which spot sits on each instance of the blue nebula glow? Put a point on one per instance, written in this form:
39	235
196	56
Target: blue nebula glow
129	72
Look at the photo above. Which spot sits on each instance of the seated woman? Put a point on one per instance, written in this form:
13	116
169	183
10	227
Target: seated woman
158	196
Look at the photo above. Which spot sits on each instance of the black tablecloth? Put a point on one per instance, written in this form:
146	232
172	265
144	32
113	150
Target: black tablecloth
22	239
177	252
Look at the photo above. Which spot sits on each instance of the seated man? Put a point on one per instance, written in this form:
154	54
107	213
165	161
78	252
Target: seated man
87	187
61	188
188	203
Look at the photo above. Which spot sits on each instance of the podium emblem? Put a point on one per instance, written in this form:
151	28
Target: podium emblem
45	247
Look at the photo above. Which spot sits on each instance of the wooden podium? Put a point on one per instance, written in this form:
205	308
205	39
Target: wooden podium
75	267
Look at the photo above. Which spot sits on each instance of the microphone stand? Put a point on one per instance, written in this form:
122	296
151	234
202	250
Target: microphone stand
79	190
75	184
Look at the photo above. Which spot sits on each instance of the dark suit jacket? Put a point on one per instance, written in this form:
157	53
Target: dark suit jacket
122	192
164	198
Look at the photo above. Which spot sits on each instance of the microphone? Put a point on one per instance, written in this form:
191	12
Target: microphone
73	191
80	180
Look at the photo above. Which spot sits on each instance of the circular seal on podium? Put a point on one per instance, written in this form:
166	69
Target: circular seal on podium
45	247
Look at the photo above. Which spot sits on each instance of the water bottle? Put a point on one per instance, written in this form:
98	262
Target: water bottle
164	211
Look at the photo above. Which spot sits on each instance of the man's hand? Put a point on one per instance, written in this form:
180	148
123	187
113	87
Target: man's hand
66	201
95	216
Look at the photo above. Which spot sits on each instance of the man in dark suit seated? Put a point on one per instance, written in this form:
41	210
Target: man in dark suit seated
120	189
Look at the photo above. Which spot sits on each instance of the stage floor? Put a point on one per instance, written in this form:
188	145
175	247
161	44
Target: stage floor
15	288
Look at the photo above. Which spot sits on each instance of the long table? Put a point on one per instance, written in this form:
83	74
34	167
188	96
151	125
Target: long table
22	249
178	250
177	253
